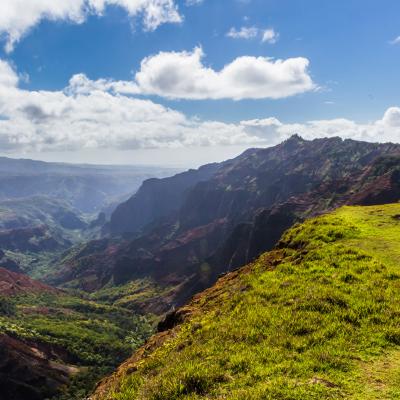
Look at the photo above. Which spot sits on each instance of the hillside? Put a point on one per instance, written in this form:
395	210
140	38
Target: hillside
223	216
39	210
55	344
45	208
314	318
14	283
155	199
35	230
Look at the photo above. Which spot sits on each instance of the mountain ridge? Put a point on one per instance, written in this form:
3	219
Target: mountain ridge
220	220
87	187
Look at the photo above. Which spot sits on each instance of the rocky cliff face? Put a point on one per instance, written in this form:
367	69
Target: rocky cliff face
155	199
27	372
197	225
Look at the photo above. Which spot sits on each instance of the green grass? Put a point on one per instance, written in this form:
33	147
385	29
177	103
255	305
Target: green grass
317	318
132	295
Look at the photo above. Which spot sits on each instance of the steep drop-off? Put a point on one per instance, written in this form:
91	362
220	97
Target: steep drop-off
315	318
156	198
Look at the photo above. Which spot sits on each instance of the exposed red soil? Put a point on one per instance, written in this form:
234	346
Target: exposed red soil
13	283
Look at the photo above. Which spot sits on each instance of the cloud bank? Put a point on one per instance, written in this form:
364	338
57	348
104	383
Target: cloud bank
89	115
17	17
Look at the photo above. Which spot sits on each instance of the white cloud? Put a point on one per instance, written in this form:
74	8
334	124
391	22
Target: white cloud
87	115
17	17
183	75
270	36
193	2
392	117
8	78
274	131
91	115
252	32
243	33
395	41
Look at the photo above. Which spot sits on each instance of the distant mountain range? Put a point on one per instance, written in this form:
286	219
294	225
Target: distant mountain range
45	208
88	188
182	232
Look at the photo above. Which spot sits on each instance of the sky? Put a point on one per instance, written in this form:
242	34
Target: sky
185	82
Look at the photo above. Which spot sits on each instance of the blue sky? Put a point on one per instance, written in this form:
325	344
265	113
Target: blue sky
351	78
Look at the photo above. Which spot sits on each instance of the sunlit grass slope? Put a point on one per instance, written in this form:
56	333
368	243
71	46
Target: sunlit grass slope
317	318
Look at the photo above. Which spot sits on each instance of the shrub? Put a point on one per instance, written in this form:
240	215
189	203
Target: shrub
7	307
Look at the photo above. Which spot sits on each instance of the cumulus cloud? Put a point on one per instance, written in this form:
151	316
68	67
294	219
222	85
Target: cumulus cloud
386	129
87	115
17	17
392	117
183	75
270	36
91	115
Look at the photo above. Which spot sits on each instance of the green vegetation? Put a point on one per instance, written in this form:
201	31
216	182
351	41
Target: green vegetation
36	231
92	336
7	307
133	295
317	318
37	265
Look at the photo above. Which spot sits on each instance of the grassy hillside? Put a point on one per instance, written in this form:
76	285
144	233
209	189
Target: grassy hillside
318	317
